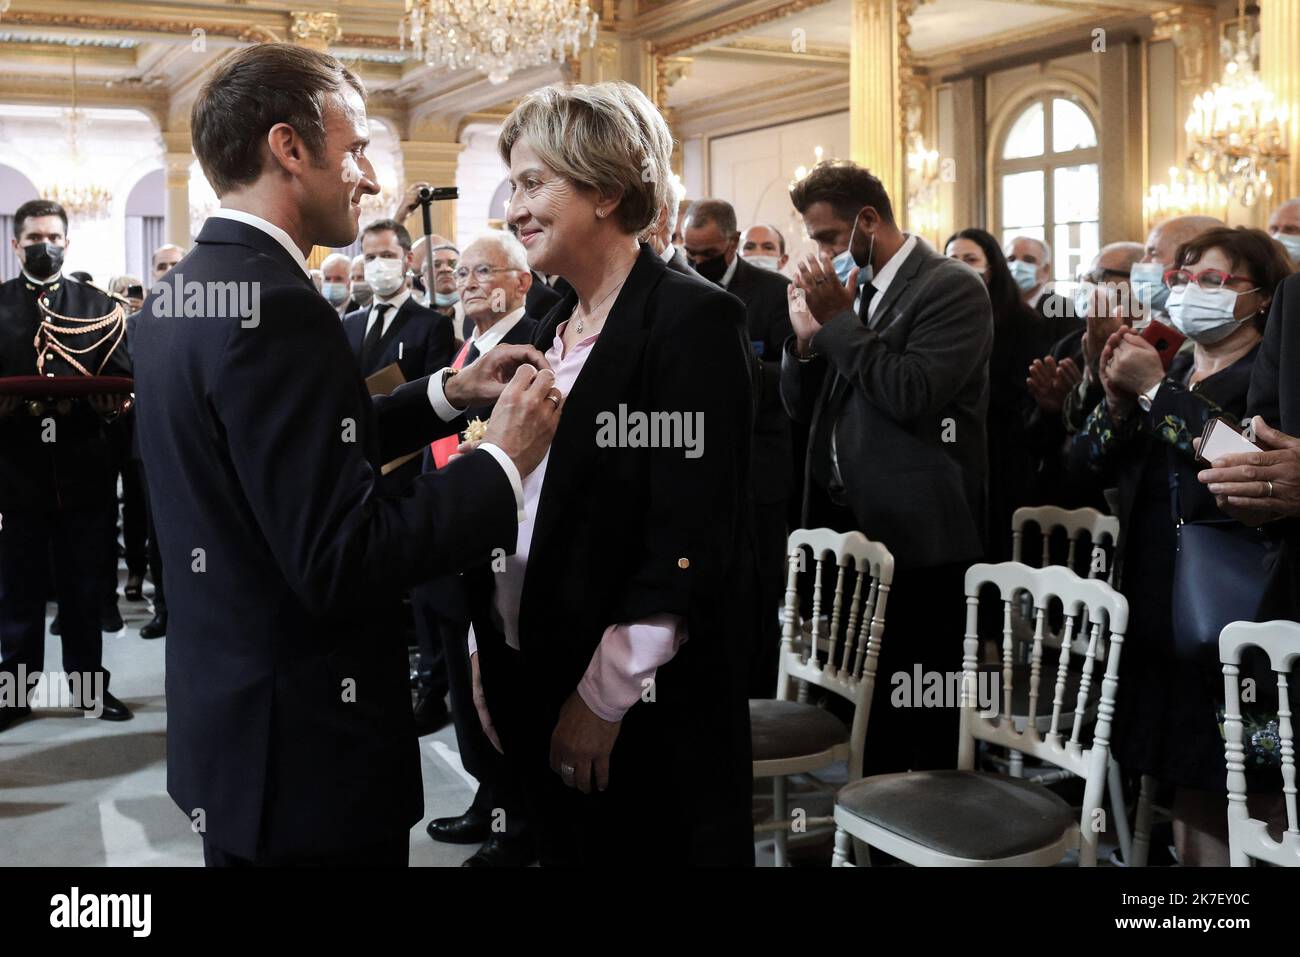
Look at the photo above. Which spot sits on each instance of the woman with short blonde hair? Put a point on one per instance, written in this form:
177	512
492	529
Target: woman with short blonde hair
611	649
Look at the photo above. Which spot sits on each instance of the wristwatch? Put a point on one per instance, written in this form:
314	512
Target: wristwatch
1149	396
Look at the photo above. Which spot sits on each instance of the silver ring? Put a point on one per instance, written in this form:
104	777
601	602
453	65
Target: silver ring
1270	488
567	771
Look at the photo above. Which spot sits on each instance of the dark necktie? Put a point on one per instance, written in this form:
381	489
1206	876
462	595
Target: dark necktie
471	355
866	292
370	348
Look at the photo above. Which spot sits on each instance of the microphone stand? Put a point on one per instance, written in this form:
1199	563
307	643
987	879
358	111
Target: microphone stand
426	197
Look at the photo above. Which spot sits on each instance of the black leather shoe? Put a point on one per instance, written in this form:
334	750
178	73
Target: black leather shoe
501	851
430	713
110	619
467	829
155	627
134	588
9	715
114	710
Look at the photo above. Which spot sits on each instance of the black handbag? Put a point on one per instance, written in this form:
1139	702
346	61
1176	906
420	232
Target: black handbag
1224	572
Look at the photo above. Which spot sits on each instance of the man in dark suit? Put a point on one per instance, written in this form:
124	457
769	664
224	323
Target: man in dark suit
290	738
57	472
889	365
395	327
494	280
712	239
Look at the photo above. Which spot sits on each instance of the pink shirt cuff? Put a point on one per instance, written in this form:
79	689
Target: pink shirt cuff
623	668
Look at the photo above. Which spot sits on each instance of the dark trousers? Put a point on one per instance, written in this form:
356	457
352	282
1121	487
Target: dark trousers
392	853
75	539
925	623
770	538
499	794
155	556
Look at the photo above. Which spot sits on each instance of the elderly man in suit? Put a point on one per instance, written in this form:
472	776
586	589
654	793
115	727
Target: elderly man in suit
289	730
712	243
660	234
889	365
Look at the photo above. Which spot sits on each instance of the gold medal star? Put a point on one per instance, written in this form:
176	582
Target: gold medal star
476	430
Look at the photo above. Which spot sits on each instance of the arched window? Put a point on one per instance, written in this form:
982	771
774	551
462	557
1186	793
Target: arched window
1047	180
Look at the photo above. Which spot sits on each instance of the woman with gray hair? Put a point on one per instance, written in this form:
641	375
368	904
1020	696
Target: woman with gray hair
610	648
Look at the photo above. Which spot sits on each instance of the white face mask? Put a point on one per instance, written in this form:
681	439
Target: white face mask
1207	316
385	276
445	299
336	293
765	262
1291	243
1024	273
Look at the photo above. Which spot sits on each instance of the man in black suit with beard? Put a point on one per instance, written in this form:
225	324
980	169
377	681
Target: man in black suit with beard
713	246
290	737
494	280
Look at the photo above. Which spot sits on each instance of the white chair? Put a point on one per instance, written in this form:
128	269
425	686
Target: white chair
1248	838
1103	532
1048	518
974	818
837	653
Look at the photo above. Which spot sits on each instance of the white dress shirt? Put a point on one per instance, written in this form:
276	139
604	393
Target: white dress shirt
730	273
397	300
268	227
667	254
483	343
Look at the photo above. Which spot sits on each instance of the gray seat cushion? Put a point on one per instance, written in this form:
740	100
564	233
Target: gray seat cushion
967	814
788	729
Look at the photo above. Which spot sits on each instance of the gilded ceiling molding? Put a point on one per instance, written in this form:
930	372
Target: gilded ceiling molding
245	33
661	52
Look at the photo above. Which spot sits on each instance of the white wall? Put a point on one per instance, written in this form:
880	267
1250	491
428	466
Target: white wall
753	171
479	172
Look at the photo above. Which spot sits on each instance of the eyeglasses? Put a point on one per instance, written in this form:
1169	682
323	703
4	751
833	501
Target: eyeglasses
482	273
1207	279
445	265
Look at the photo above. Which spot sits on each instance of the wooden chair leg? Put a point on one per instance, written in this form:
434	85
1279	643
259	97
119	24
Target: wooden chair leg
1142	822
840	857
781	815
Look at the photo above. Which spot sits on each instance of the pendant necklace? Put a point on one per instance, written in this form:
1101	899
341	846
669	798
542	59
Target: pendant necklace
603	298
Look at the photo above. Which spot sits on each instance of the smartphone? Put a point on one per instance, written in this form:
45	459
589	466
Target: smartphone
1222	438
1166	340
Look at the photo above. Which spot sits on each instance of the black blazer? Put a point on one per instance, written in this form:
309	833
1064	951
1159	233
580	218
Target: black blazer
767	312
907	400
679	263
421	336
540	299
624	533
288	704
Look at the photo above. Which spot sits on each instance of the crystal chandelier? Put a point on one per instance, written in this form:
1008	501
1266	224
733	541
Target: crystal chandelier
1234	131
80	200
497	36
1188	192
922	186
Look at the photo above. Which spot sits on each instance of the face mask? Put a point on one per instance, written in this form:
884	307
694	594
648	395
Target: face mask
1291	243
335	293
385	276
712	269
1025	274
845	262
361	292
765	262
1149	289
445	299
1208	316
43	260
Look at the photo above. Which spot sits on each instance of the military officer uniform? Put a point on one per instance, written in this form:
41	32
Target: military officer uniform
57	498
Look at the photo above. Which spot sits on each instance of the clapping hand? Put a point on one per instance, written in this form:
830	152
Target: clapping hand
1049	382
1257	487
824	296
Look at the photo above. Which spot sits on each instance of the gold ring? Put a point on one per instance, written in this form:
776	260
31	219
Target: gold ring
554	397
1270	488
